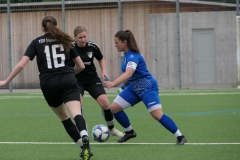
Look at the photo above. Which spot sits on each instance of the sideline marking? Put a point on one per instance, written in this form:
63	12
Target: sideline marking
114	95
68	143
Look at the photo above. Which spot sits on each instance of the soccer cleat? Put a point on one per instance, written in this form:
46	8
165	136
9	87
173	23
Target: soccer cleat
82	155
86	153
127	136
115	132
181	140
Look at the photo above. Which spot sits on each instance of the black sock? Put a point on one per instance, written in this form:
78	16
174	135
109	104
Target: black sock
71	129
129	132
109	118
80	123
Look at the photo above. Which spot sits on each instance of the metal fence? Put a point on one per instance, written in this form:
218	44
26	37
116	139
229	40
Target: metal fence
167	33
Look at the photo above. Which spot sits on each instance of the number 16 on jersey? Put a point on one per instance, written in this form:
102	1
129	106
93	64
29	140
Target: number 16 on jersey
55	56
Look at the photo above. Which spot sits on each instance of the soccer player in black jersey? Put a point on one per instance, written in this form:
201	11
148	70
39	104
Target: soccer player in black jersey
88	79
54	54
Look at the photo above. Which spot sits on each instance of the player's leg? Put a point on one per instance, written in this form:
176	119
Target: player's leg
81	101
82	89
52	95
74	109
96	90
124	100
71	98
108	116
152	101
69	126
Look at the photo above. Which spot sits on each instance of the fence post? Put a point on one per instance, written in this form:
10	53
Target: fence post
9	44
178	43
120	14
63	15
238	50
120	28
238	43
237	7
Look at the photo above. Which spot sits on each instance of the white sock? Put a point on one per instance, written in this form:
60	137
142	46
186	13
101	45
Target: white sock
84	133
178	133
128	128
79	142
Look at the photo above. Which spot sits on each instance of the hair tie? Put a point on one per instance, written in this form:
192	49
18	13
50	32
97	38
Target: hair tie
127	31
48	21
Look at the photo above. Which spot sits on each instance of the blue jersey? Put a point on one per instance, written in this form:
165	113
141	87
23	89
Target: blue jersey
141	81
141	70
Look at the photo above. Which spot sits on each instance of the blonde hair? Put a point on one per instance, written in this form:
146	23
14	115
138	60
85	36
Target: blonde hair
79	29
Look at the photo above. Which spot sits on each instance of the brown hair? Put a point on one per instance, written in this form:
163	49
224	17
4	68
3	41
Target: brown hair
49	24
128	36
79	29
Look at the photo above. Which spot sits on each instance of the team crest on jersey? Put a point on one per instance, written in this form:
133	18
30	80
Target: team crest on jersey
89	54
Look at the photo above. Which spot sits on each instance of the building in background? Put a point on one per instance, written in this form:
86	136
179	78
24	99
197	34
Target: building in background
208	41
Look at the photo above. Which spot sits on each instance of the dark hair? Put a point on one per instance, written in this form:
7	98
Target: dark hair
49	24
128	36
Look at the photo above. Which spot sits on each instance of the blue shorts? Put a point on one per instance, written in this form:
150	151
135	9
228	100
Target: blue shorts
149	96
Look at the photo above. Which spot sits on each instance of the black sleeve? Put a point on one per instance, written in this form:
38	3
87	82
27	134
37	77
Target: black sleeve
31	51
73	53
98	54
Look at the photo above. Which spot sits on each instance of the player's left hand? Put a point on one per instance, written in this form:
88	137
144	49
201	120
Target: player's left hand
109	84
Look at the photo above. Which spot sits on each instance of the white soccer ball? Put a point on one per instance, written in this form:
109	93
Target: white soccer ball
100	133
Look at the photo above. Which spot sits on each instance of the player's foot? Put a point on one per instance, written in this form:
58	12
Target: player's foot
86	153
127	136
115	132
181	140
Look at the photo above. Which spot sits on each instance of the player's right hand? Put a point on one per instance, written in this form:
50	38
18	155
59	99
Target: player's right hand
3	83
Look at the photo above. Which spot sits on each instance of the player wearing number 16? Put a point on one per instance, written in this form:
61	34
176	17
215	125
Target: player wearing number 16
54	53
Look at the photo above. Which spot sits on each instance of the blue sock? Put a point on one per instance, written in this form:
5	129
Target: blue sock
122	119
168	123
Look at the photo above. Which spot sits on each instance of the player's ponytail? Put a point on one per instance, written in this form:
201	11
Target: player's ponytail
49	24
128	36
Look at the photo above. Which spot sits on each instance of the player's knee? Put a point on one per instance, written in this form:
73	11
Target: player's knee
104	104
103	101
115	108
156	112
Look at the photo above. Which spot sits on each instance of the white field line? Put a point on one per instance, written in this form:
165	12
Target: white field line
68	143
114	95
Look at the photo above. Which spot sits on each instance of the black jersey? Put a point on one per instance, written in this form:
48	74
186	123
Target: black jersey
52	59
87	55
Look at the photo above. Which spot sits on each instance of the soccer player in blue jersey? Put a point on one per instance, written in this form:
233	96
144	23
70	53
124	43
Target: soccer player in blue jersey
142	87
55	54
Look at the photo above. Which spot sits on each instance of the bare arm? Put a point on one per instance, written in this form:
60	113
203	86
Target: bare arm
126	75
17	69
102	64
79	65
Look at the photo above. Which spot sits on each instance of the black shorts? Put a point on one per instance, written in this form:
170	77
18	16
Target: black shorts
94	87
60	89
